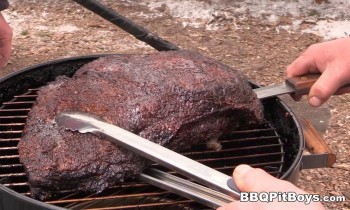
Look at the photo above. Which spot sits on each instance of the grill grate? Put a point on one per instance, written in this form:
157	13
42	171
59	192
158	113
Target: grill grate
260	147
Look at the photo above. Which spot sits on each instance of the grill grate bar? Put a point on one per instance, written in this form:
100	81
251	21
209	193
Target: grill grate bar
11	124
14	110
70	195
14	117
250	139
231	168
253	165
25	96
11	166
234	149
13	175
69	191
19	184
251	131
19	103
7	148
10	132
108	197
9	157
239	157
137	206
112	188
9	140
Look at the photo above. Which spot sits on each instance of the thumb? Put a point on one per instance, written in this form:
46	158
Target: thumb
250	179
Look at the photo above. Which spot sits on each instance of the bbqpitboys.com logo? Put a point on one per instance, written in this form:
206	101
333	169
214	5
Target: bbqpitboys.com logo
268	197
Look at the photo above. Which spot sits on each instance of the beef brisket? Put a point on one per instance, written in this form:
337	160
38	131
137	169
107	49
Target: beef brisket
175	99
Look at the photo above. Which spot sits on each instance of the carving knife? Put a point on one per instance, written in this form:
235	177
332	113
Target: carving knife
87	123
297	86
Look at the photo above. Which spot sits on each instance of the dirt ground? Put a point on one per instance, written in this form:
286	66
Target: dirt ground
47	30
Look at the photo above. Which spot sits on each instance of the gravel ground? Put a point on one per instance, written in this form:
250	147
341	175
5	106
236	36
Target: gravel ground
250	37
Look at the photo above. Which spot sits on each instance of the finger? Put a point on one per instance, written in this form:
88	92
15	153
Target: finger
5	41
304	64
250	179
5	51
328	83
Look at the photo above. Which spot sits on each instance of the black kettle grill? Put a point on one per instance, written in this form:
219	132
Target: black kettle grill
276	146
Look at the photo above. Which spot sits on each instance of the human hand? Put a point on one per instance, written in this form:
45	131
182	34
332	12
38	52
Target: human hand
249	179
332	59
5	41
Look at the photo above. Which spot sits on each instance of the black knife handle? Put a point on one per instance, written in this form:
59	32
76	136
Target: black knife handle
127	25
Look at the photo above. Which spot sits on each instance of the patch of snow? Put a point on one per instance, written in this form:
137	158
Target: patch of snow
41	27
330	29
189	9
331	18
66	29
18	23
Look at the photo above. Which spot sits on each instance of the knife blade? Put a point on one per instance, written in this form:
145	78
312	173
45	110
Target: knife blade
87	123
298	86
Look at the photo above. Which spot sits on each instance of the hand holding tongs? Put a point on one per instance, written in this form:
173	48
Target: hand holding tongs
86	123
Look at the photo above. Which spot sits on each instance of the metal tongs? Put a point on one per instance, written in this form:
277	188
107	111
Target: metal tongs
228	191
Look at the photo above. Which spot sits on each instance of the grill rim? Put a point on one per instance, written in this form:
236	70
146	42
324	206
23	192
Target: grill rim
5	95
